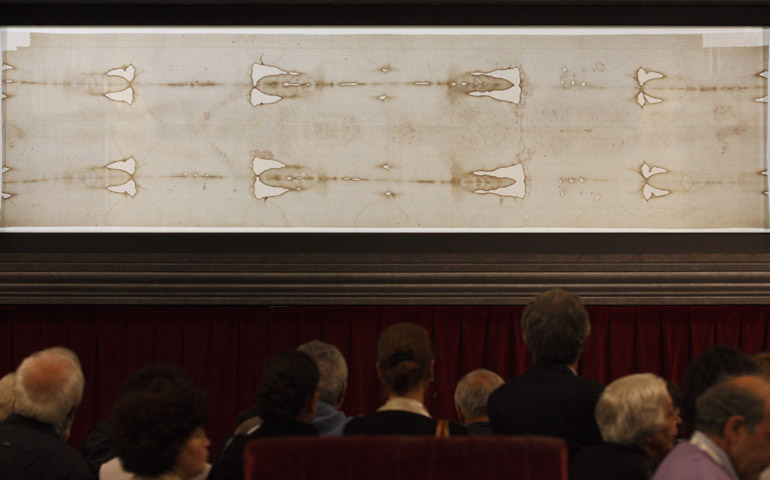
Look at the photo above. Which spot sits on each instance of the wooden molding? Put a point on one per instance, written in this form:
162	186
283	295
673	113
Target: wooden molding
280	269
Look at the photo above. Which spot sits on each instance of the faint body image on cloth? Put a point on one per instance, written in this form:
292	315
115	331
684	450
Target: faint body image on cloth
321	128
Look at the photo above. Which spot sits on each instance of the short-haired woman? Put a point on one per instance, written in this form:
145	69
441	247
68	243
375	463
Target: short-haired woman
638	421
405	366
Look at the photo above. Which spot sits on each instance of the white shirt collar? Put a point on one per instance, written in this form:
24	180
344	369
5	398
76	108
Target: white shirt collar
405	405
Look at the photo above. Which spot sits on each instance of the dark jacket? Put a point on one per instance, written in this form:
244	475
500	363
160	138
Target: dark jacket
609	461
32	450
481	429
548	400
229	466
97	447
396	422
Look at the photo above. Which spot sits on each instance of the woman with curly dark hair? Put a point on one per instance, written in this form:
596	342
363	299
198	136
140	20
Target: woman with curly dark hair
158	430
405	366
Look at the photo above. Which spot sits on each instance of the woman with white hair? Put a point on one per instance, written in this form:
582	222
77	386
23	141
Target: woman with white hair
638	421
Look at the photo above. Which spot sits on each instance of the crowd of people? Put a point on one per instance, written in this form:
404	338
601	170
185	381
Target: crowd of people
629	429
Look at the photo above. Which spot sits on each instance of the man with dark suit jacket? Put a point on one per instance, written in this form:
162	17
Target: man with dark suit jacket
48	388
550	398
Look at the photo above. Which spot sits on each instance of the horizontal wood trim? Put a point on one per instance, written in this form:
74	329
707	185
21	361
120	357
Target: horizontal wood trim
278	278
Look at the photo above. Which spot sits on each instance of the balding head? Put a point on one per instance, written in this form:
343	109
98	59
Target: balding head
744	395
735	414
49	385
472	393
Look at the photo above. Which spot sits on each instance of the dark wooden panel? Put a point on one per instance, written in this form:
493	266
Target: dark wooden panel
278	269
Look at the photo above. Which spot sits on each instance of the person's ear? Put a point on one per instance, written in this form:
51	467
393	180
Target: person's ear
342	396
310	408
734	428
460	415
314	404
431	370
379	371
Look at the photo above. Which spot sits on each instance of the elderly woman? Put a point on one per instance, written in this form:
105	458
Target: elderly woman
6	395
405	365
158	431
638	421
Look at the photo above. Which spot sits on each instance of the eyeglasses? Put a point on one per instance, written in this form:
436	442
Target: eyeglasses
673	412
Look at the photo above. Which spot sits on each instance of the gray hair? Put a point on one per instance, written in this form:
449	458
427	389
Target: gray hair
717	404
6	395
631	407
332	367
473	391
555	327
49	384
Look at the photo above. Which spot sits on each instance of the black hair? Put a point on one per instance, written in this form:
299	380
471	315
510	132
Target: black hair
289	380
157	411
709	368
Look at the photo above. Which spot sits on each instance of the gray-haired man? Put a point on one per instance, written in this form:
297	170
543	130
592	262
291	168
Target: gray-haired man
471	397
332	385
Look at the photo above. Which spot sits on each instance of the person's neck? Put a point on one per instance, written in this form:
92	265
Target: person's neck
417	394
654	453
574	366
718	440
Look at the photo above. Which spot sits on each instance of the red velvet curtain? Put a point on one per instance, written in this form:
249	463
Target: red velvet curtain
225	347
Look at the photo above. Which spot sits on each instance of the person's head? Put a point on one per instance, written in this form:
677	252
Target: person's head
289	388
638	410
6	395
158	424
709	368
555	327
472	393
735	414
404	358
48	387
332	369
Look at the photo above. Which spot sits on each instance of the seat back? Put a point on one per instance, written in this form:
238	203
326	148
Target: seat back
406	458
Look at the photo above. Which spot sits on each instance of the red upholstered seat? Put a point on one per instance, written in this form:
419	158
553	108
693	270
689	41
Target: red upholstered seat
406	458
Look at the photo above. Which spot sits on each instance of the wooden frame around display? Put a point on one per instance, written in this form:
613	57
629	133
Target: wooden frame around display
383	268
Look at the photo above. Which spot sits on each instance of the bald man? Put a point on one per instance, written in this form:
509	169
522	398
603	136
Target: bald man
471	395
47	390
732	434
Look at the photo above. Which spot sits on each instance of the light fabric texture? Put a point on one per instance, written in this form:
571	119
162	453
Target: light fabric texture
113	470
405	405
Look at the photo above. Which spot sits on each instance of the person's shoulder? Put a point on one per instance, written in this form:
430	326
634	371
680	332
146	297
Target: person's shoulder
395	422
688	462
590	385
381	422
286	428
611	461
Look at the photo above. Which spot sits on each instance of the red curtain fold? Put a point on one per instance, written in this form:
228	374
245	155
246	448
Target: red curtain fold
621	330
648	340
754	329
594	361
224	348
